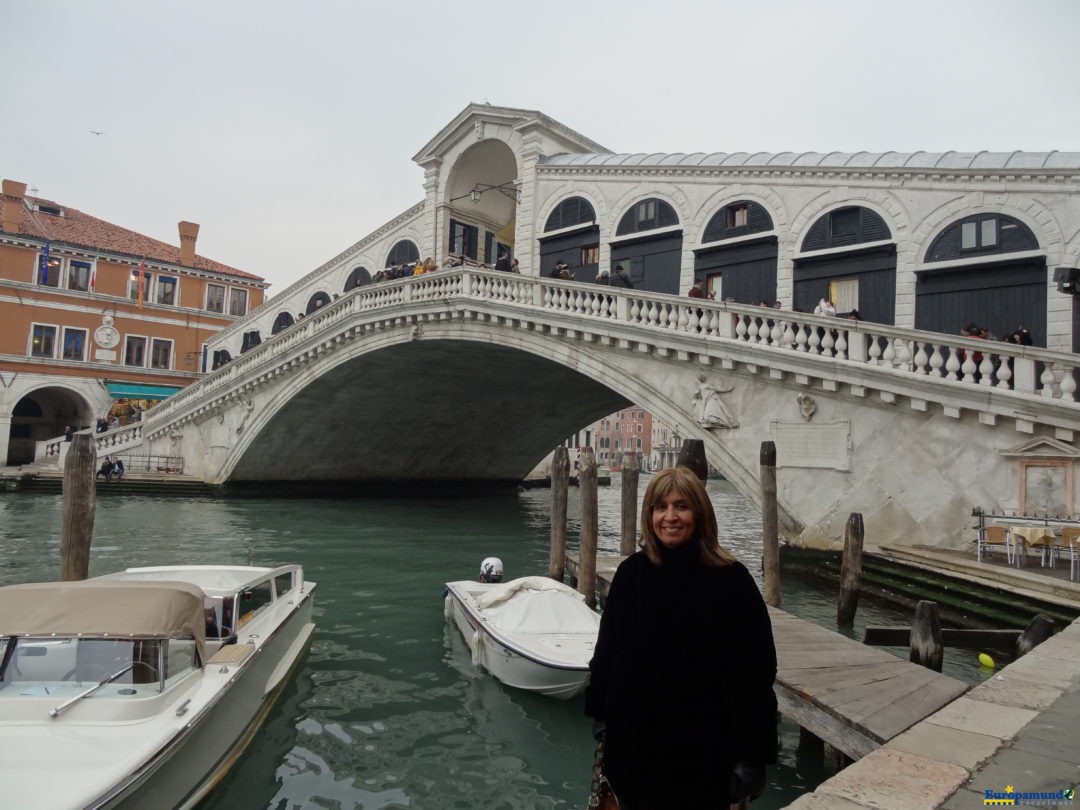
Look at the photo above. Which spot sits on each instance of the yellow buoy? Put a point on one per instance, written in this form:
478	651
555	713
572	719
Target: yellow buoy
986	660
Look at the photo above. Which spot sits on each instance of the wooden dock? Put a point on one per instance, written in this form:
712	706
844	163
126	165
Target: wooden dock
851	696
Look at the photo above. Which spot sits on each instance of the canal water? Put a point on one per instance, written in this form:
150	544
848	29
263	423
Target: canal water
388	711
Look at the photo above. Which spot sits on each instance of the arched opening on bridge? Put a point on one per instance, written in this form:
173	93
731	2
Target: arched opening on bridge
577	241
862	278
744	272
358	278
997	293
481	198
317	301
647	246
283	321
403	252
42	415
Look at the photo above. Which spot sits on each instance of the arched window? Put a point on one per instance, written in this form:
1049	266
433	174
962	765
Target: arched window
647	215
404	252
570	212
317	301
357	278
852	225
283	321
981	235
737	219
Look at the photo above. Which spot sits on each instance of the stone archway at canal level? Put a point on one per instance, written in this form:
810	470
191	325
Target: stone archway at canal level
461	399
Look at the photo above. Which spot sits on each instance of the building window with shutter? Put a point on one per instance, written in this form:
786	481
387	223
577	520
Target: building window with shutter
161	353
166	290
237	301
42	340
590	254
463	239
134	286
135	351
74	344
979	234
736	215
79	276
215	298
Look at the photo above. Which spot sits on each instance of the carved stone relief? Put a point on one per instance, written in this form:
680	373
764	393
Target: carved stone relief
709	410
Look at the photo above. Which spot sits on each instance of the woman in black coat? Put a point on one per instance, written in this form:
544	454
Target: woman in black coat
681	683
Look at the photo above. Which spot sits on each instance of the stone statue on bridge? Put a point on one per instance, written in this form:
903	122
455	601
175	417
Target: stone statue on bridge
709	409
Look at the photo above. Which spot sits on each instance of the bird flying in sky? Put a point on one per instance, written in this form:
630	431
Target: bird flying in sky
96	132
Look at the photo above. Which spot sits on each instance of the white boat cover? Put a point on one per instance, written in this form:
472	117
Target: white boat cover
104	609
506	590
537	605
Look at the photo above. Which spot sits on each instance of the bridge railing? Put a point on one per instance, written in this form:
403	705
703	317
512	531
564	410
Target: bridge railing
1030	370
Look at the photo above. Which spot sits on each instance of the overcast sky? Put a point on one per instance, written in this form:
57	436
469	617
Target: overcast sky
286	129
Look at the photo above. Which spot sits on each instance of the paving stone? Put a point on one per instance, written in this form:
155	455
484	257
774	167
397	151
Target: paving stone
967	714
1025	772
814	801
964	748
963	799
1065	646
1005	690
896	780
1050	749
1049	672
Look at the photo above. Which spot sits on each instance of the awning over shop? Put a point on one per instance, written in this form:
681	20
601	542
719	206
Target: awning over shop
126	390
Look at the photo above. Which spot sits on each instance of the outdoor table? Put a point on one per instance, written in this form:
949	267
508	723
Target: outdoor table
1041	537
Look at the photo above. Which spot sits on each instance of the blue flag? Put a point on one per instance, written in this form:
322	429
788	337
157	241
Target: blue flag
45	264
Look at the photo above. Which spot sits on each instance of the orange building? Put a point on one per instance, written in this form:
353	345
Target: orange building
97	321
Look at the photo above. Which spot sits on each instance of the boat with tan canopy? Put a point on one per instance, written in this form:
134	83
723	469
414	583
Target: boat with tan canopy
139	689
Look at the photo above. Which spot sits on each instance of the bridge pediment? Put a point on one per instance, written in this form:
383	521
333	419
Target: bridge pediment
479	121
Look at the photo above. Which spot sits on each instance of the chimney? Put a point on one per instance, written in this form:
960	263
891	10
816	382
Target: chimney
189	232
11	205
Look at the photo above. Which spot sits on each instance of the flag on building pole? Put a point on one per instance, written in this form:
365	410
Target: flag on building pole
93	276
45	264
142	283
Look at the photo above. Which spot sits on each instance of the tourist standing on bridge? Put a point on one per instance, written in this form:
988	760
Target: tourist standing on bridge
681	682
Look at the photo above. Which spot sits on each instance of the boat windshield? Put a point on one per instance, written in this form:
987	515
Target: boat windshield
41	666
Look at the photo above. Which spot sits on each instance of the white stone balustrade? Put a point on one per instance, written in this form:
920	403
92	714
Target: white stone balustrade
948	359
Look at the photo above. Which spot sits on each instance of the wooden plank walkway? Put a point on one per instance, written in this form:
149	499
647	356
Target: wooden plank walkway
852	696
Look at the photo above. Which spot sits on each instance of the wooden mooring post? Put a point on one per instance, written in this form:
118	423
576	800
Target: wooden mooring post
1038	630
589	526
628	538
692	456
927	647
770	525
77	522
850	570
560	483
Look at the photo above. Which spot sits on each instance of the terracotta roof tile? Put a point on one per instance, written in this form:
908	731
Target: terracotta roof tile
78	229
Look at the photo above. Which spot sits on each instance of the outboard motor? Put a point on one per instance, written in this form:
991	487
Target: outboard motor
491	570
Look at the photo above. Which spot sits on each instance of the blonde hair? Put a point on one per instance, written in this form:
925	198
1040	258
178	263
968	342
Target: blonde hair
685	482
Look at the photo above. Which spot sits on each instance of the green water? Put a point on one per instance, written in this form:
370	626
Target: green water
387	711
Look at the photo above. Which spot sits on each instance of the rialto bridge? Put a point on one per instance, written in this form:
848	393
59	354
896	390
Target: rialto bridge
475	375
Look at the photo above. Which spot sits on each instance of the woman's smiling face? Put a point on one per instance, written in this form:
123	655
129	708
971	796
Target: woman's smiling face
673	520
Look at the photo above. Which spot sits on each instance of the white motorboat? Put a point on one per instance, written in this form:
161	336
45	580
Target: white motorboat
140	689
531	633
